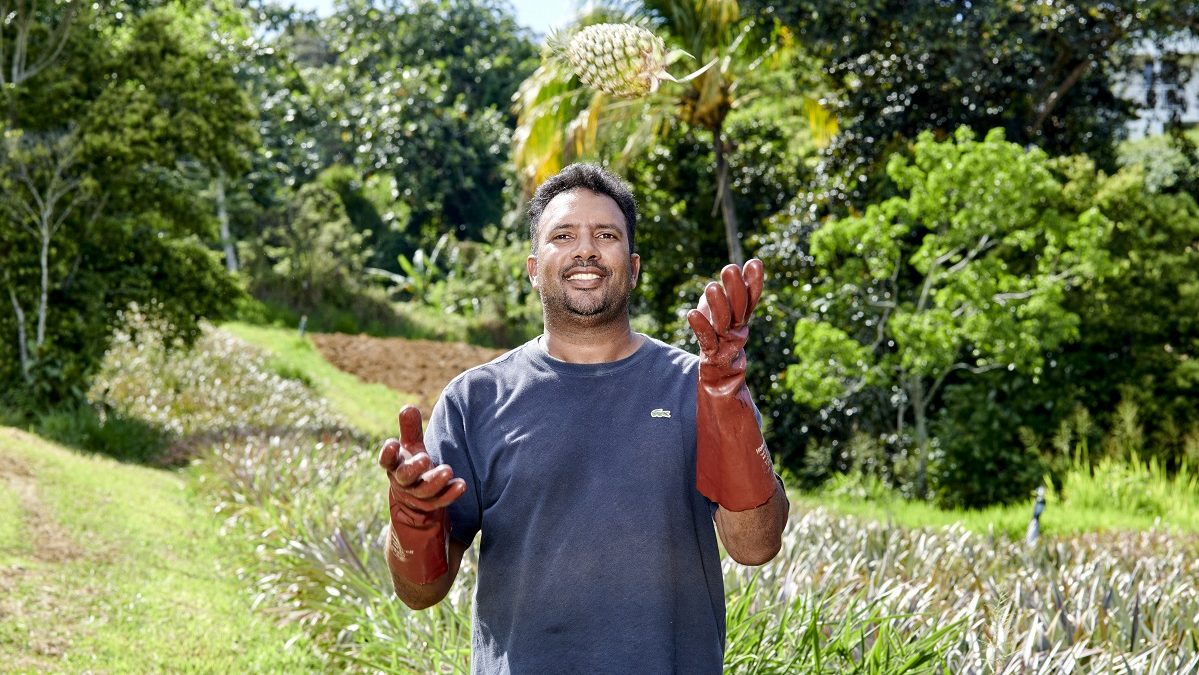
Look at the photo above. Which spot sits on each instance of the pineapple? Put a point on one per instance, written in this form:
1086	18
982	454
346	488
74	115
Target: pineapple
620	59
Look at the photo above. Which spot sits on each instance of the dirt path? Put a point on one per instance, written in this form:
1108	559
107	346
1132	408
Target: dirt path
420	367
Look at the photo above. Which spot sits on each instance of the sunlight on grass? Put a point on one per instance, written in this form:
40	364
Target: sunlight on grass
13	543
1112	495
927	590
368	407
127	572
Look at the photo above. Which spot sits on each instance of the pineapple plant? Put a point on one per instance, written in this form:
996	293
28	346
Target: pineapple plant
620	59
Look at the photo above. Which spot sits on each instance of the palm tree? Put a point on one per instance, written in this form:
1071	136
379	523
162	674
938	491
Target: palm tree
559	120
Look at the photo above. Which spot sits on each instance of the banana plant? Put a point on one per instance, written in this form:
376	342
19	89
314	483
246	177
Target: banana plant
421	273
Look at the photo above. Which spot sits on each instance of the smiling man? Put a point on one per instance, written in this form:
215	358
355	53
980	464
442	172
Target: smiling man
597	465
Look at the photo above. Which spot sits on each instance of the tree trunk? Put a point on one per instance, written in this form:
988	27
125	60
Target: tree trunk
919	405
42	303
222	214
724	195
22	345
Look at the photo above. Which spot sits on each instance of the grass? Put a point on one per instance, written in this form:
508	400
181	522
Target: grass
120	568
368	407
1112	495
846	594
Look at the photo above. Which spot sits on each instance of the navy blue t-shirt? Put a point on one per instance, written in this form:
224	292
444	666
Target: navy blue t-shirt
598	553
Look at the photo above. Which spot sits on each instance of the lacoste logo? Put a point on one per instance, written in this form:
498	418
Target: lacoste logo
659	412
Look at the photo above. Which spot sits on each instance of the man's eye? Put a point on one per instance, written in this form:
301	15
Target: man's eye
607	235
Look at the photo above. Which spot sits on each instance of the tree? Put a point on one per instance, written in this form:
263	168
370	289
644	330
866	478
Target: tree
43	189
559	120
37	38
315	252
1139	329
1042	71
110	134
966	271
419	92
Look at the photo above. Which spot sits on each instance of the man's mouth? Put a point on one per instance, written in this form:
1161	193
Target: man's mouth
585	277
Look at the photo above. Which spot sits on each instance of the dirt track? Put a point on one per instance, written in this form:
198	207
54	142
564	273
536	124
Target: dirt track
420	367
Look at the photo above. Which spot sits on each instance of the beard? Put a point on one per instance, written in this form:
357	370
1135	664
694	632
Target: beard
609	302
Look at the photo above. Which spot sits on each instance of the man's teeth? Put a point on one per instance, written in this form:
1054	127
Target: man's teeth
585	276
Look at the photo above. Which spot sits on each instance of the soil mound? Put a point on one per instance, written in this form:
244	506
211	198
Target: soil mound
420	367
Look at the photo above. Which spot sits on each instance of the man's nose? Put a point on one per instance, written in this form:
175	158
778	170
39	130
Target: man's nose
585	248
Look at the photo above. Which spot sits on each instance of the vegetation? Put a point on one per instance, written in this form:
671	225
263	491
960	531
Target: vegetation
100	560
845	594
975	288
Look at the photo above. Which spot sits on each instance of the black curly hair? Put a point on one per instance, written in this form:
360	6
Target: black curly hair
591	177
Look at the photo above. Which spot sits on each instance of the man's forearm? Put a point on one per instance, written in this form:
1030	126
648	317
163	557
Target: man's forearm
755	536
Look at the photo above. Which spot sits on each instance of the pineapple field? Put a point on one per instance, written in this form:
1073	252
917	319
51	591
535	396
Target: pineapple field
290	480
979	225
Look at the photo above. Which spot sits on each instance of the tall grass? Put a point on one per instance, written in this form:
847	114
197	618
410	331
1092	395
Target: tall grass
1110	494
844	595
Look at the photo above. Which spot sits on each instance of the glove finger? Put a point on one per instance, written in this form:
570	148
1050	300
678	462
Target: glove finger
704	333
389	454
755	276
431	482
718	306
738	295
452	491
410	469
412	438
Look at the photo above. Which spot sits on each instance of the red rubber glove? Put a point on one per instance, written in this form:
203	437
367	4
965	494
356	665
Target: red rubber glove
732	463
418	497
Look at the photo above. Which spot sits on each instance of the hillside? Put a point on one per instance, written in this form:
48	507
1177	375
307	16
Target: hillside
122	568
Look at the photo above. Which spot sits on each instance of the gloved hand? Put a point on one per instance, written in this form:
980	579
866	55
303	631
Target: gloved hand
732	463
418	497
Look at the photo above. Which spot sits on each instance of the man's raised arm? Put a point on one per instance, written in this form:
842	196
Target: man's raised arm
422	558
733	465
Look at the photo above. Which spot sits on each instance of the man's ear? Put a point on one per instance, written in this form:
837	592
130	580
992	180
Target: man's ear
531	267
635	267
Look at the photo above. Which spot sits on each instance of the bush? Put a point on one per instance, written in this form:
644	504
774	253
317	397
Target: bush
99	429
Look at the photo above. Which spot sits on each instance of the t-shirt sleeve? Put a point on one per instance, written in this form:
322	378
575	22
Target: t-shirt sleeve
446	443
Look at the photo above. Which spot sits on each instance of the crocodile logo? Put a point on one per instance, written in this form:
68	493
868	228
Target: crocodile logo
659	412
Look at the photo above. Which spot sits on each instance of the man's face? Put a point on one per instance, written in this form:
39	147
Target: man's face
583	268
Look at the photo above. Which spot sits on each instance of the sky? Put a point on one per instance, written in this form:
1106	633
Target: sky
539	15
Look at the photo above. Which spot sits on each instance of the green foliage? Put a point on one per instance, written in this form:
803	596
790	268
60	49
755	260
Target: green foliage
417	93
101	431
1138	335
976	441
1043	72
488	283
1170	163
966	271
815	634
315	255
483	283
125	124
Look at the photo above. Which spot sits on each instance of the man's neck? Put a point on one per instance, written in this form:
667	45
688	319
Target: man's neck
598	344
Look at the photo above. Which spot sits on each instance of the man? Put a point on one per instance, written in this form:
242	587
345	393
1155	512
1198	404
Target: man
594	461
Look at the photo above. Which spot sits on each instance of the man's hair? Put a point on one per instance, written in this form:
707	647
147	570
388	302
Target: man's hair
593	178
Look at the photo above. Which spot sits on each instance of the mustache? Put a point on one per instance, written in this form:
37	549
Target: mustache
583	265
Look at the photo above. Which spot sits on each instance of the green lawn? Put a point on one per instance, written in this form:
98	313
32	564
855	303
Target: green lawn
121	568
1116	496
368	407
